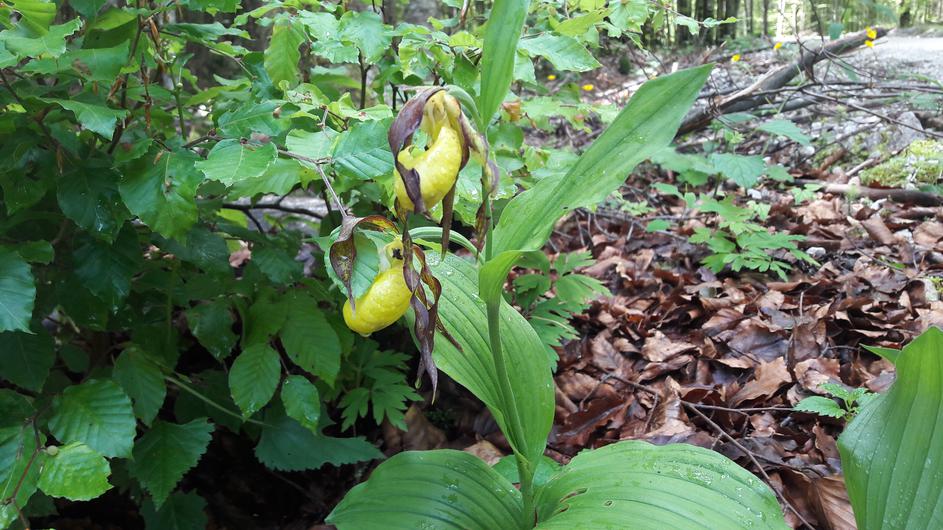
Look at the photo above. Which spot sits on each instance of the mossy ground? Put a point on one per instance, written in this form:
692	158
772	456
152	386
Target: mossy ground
920	163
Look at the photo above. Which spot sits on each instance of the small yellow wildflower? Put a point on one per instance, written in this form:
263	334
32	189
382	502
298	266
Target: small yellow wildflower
587	87
869	43
551	77
735	58
777	46
871	33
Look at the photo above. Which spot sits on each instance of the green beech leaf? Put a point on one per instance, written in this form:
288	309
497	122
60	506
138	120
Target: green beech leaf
143	381
211	324
90	197
363	152
25	359
17	445
50	43
672	486
244	120
646	125
37	14
75	472
464	316
160	188
95	117
287	446
497	55
182	511
440	489
564	53
282	55
365	29
98	413
106	269
310	341
17	292
302	401
166	452
231	161
890	452
253	377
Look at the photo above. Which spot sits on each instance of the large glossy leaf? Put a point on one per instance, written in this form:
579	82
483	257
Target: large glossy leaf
892	452
464	315
646	125
497	56
17	292
641	486
75	472
25	359
431	490
98	413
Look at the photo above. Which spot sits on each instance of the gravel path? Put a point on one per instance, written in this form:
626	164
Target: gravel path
905	55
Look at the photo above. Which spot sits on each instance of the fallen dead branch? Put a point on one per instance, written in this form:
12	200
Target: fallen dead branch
754	96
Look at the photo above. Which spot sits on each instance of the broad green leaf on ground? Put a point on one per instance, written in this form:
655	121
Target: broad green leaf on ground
244	120
17	445
645	126
143	381
363	152
302	401
787	129
281	56
287	446
253	378
891	451
564	53
88	8
106	269
160	188
464	316
656	487
211	324
887	353
744	170
98	413
502	32
166	452
95	117
75	472
90	197
25	359
49	44
231	161
17	292
440	489
182	511
309	339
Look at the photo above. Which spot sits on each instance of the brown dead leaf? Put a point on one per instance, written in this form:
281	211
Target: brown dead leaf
486	451
769	378
659	348
829	498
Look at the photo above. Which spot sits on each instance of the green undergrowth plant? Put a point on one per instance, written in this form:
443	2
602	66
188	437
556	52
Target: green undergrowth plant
486	345
850	403
738	239
553	293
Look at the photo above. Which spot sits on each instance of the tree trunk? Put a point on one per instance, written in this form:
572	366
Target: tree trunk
766	18
731	9
682	35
